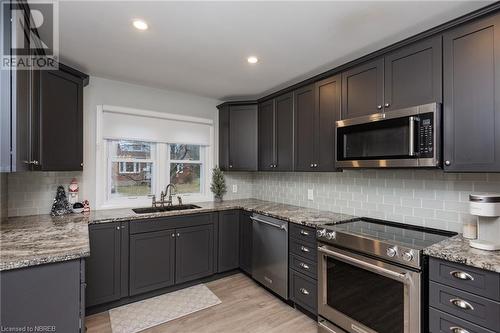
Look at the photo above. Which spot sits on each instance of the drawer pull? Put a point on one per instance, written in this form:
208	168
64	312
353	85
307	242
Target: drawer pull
455	329
304	291
304	232
460	303
462	275
304	249
304	266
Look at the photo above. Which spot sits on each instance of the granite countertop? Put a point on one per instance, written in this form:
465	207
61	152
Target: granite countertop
40	239
457	249
34	240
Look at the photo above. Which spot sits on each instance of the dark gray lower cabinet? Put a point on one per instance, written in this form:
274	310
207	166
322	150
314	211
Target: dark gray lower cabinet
104	266
228	252
246	232
152	261
44	298
194	253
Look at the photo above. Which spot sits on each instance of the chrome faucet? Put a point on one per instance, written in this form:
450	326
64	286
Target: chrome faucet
168	192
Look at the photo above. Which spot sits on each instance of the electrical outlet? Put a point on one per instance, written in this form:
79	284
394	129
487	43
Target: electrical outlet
235	188
310	194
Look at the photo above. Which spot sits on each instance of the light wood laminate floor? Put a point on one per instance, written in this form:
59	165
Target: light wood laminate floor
245	307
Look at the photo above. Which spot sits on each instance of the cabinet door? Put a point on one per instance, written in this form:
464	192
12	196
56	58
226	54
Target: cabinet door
102	269
22	88
194	253
471	97
284	133
327	112
243	137
152	261
228	253
304	128
266	135
413	75
246	232
363	89
61	121
224	138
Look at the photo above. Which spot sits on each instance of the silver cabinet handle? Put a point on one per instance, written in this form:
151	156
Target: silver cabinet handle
178	235
173	235
312	165
304	232
460	303
304	266
447	163
379	107
304	249
456	329
462	275
117	228
386	105
304	291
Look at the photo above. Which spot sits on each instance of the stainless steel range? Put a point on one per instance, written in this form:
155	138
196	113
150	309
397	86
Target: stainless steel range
370	276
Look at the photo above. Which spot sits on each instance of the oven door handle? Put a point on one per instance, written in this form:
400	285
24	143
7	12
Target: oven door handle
362	264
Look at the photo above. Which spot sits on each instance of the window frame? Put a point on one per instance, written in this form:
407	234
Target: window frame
201	161
207	156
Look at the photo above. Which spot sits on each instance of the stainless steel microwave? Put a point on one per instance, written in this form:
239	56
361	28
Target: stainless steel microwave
404	138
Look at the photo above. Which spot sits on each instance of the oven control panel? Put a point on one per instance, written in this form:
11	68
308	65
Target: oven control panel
426	135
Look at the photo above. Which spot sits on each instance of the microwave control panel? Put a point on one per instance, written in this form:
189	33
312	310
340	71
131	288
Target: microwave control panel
426	135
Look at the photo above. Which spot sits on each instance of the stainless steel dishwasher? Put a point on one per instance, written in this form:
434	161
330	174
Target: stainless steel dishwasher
270	253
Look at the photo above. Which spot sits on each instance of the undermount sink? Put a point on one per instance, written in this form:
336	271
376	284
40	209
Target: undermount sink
147	210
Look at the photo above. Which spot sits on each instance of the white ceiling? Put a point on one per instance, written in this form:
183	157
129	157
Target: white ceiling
201	47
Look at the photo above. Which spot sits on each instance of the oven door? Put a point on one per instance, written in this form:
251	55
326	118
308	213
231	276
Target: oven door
364	295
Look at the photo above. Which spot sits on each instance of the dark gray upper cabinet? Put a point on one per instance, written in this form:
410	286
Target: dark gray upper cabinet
327	111
267	140
304	128
103	267
246	232
471	97
238	123
194	250
60	147
363	89
152	261
413	75
276	134
228	252
317	107
48	117
284	133
224	137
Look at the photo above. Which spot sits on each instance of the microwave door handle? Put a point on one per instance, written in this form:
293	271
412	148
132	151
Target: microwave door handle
412	135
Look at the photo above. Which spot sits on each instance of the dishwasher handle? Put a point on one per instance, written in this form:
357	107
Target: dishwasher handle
279	226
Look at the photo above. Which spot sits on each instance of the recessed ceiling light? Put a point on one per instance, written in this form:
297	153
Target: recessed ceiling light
140	24
252	60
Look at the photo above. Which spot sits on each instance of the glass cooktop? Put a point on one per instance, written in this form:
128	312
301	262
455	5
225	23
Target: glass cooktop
403	234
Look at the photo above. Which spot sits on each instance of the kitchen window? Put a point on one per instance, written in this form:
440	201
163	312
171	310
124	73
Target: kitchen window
137	170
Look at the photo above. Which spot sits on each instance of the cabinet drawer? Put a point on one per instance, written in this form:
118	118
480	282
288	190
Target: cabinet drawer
474	280
171	222
305	266
304	291
303	249
303	233
440	322
476	309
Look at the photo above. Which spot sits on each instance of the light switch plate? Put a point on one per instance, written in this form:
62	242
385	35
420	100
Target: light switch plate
310	194
235	188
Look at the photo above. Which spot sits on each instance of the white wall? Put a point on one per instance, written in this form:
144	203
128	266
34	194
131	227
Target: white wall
103	91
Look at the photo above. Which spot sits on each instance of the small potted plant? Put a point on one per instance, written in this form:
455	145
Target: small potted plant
218	186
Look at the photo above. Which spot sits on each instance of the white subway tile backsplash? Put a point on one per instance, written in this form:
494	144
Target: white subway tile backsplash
422	197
